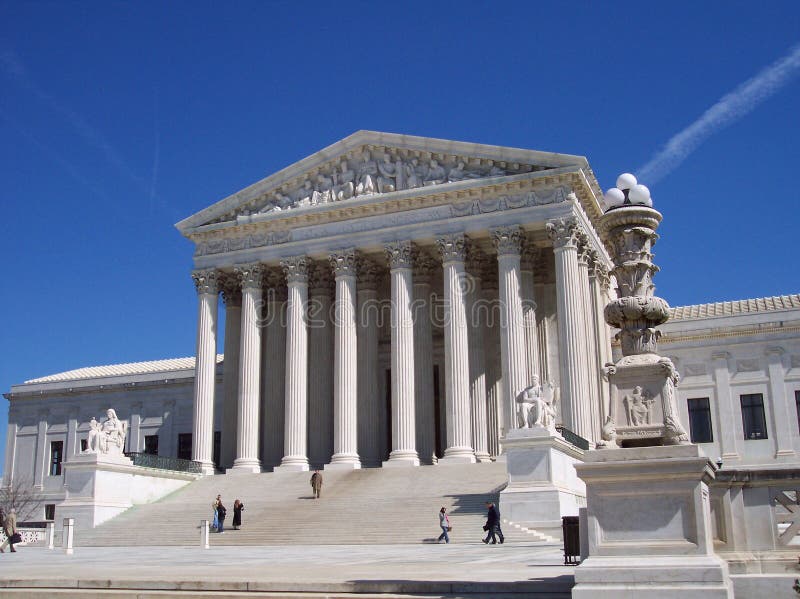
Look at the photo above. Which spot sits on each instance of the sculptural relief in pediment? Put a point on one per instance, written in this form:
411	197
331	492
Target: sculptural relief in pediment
372	170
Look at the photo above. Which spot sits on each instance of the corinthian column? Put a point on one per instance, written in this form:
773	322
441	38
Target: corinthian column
456	351
598	292
345	371
400	256
476	317
295	433
508	243
205	369
591	424
232	296
369	447
423	357
564	234
247	429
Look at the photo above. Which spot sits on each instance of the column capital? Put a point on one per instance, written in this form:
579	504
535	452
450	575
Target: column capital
424	267
206	281
250	275
400	254
296	269
563	232
231	291
344	263
452	248
369	274
584	249
507	241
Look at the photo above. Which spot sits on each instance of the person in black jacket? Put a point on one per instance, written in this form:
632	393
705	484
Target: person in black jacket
221	511
492	526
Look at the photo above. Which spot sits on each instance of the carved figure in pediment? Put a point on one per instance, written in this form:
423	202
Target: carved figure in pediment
638	404
324	191
388	175
436	174
415	174
457	173
302	197
367	172
345	181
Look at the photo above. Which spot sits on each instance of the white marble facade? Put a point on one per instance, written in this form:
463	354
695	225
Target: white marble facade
385	301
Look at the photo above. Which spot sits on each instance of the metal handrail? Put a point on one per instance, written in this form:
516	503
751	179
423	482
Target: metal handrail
573	438
149	460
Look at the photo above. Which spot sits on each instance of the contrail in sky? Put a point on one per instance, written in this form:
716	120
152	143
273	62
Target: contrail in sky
729	108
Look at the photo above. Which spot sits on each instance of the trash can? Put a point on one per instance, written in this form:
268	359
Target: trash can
570	528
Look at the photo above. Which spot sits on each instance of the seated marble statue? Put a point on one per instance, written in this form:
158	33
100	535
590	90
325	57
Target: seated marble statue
367	172
93	442
436	174
109	437
535	406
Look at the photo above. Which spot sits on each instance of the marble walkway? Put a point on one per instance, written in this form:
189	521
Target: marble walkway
473	570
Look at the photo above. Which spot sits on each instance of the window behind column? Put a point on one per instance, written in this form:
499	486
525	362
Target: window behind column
151	444
753	421
700	420
56	455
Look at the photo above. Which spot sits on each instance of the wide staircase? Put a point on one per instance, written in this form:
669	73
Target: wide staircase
368	506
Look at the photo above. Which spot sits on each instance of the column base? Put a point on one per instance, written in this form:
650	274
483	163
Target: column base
458	455
402	458
342	464
482	457
629	577
245	467
293	464
208	468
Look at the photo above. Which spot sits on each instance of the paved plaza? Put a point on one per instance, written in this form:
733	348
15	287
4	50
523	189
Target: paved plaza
456	569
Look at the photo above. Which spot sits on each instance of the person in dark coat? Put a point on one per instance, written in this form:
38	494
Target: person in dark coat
221	512
316	484
238	506
492	526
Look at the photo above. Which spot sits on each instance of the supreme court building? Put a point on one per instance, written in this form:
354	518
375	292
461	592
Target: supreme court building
384	301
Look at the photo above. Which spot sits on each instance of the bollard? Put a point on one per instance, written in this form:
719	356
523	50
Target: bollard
69	525
204	534
51	534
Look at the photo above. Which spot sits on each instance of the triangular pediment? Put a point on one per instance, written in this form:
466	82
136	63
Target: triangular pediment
370	163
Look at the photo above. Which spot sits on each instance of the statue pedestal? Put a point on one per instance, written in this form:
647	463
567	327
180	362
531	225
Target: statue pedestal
542	483
98	487
649	526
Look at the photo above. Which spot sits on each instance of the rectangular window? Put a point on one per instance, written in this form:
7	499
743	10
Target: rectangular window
753	421
56	455
151	444
185	446
50	511
700	420
84	444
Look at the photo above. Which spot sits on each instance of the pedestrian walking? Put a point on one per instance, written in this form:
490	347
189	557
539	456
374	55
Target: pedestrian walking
215	516
238	506
221	512
316	483
444	524
10	528
492	526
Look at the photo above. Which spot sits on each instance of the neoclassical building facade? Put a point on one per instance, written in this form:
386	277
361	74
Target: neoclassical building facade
384	301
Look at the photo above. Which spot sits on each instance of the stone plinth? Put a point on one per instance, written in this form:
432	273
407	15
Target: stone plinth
98	487
542	483
649	526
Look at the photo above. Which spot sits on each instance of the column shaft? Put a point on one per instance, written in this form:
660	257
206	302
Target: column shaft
476	317
273	383
248	422
295	432
205	370
423	358
782	414
456	351
345	369
591	412
403	417
529	310
729	433
512	334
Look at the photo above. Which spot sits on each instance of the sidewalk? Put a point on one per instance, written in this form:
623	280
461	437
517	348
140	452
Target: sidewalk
465	569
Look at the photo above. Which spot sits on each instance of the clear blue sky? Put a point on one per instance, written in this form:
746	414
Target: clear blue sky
118	119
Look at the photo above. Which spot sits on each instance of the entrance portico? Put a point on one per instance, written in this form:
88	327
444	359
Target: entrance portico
390	360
